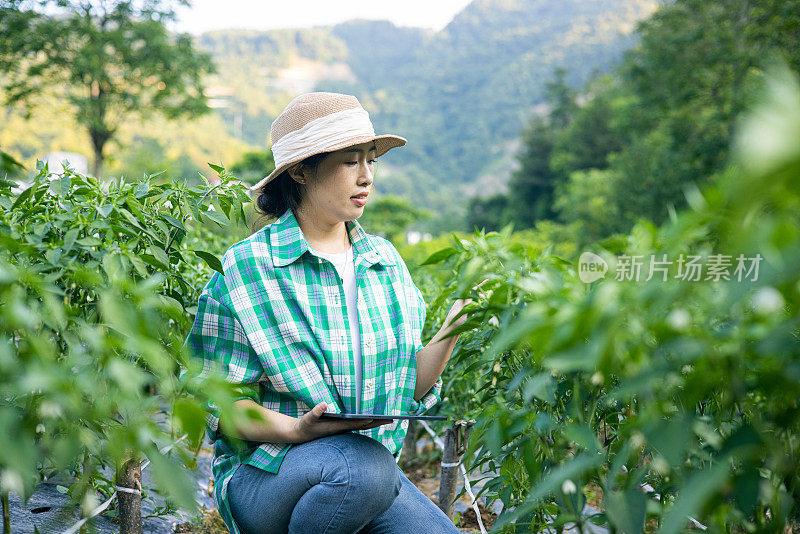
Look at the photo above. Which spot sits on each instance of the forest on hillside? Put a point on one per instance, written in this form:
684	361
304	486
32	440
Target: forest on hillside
482	76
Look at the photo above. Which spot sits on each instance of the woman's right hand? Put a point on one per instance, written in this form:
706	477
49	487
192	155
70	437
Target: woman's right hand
312	426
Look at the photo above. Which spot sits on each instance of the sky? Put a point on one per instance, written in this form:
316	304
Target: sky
205	15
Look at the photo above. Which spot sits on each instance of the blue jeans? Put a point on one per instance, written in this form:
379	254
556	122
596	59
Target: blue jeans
341	483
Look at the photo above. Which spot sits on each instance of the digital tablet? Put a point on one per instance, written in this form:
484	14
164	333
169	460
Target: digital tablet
382	417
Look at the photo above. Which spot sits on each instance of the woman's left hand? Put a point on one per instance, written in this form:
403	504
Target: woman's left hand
456	309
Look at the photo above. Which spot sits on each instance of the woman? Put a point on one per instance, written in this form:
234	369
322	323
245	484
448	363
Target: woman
308	307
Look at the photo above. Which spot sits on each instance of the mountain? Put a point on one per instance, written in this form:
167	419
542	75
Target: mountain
461	96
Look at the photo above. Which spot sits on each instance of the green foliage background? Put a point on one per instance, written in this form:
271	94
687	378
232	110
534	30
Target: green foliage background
688	389
98	287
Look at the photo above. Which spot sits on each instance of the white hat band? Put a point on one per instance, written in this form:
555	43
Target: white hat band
323	132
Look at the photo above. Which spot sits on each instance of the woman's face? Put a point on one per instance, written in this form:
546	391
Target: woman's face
339	177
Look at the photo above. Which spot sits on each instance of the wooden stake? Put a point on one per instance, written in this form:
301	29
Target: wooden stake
6	514
129	475
410	443
455	445
449	479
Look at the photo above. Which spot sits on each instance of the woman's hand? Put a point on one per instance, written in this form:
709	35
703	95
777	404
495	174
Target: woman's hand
456	309
311	425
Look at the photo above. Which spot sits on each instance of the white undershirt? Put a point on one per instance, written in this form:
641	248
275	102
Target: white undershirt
345	266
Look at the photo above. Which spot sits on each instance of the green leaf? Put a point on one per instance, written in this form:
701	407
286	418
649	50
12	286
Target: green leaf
439	256
210	259
191	208
130	218
22	197
626	510
217	217
172	308
583	436
541	386
191	416
105	210
161	226
173	221
670	437
171	478
53	255
141	189
151	260
61	186
89	241
113	265
217	168
159	254
69	239
138	264
529	457
694	494
551	482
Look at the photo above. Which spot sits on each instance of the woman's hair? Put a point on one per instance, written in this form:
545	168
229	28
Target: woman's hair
282	192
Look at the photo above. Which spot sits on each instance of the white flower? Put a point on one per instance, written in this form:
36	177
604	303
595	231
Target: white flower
661	465
11	481
679	319
89	503
568	487
49	409
767	300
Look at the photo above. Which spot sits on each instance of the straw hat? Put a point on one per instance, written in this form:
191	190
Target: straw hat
321	122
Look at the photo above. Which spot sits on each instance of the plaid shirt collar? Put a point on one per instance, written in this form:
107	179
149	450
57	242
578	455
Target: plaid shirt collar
289	243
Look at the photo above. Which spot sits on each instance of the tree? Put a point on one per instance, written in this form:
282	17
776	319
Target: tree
489	214
587	200
111	60
253	166
531	186
591	135
693	74
389	216
561	98
668	121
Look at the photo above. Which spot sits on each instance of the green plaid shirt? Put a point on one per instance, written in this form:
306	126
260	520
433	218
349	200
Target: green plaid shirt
276	323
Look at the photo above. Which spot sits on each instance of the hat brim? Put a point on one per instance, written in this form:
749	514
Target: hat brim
383	143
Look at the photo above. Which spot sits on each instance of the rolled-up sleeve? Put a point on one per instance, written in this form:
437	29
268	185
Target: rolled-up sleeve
218	340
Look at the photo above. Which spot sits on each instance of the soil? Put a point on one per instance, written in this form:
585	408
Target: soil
209	522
